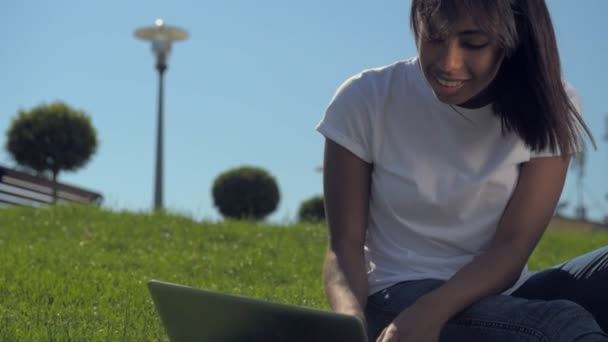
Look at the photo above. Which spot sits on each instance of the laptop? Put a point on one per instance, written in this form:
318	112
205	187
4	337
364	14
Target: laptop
190	314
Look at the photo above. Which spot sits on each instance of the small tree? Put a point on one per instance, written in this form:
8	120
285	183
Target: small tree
312	210
246	192
51	138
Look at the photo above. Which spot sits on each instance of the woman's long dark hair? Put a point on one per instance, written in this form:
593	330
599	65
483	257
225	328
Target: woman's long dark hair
529	93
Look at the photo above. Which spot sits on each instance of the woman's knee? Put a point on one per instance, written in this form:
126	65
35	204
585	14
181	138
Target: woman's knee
569	321
504	318
561	321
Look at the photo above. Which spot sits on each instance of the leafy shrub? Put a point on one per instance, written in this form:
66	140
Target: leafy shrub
51	138
312	210
246	192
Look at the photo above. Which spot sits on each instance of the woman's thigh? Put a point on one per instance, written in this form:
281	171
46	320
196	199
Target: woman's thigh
583	280
495	318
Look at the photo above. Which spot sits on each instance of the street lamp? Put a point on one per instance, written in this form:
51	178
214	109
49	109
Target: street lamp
606	134
161	37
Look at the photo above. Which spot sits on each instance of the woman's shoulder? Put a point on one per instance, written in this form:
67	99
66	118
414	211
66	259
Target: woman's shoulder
383	79
403	68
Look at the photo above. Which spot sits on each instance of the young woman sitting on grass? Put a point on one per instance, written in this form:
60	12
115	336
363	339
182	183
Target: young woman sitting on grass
442	172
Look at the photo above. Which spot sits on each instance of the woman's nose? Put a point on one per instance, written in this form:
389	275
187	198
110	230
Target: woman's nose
452	58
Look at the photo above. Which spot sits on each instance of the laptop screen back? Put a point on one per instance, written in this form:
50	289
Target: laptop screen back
190	314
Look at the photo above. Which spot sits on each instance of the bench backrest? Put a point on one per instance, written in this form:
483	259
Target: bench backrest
20	188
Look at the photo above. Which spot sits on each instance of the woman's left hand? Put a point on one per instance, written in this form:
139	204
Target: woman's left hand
415	324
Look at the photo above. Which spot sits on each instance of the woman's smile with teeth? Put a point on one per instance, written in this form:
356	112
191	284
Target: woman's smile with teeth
448	83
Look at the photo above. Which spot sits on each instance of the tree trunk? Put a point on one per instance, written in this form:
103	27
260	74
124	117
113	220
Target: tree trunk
55	174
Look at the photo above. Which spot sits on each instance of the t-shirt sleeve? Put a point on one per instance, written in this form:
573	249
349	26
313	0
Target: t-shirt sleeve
576	102
347	119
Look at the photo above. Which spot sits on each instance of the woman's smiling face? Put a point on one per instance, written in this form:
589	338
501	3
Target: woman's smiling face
459	64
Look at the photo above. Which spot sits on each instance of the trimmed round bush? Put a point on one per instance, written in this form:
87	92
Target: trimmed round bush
312	210
51	138
246	192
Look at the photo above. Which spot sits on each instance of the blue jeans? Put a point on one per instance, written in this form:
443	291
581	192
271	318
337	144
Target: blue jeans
568	302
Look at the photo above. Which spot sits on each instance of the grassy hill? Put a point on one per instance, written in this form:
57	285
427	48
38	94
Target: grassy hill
80	273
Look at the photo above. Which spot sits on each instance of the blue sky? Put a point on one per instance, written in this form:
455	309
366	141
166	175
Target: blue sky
247	87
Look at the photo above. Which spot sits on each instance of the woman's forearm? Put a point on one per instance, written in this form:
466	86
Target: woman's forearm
488	274
525	219
345	281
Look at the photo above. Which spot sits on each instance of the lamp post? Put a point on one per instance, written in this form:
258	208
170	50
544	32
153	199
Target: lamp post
161	37
606	134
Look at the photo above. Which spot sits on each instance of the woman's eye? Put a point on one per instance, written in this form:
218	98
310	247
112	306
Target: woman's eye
474	46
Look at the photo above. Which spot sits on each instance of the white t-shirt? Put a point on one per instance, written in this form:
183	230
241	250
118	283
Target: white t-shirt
442	175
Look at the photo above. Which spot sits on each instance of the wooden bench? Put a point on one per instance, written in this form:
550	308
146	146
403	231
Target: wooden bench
20	188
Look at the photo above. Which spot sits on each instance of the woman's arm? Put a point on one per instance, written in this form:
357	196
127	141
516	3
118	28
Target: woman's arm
521	227
346	181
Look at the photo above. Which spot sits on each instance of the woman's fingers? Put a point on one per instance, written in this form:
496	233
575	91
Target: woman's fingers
389	334
380	338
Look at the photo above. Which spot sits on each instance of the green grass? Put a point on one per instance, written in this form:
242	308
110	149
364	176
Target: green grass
77	273
80	273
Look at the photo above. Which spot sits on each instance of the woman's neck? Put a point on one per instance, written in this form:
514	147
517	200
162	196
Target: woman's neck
480	100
